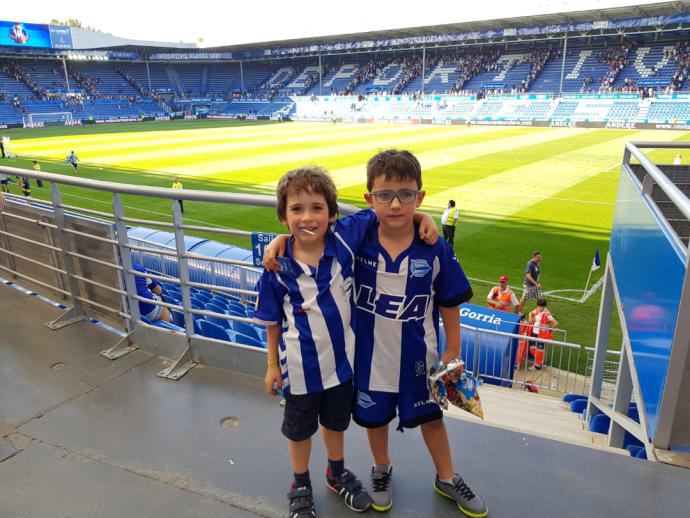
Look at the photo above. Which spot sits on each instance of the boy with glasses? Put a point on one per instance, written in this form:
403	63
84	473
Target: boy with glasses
401	286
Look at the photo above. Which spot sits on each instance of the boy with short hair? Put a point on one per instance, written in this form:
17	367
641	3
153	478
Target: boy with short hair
401	286
307	308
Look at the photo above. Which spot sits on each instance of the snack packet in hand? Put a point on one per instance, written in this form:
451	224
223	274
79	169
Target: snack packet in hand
450	383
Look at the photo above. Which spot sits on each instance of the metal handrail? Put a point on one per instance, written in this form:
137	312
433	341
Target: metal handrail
679	199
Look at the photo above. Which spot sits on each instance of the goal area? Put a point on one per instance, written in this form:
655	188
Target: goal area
32	118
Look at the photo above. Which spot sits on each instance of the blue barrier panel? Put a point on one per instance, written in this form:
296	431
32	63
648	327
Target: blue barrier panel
649	268
496	354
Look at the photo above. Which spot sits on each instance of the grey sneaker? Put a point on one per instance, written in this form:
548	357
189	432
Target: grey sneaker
381	492
301	502
467	501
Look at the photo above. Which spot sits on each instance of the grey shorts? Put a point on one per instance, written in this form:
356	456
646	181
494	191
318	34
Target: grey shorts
531	292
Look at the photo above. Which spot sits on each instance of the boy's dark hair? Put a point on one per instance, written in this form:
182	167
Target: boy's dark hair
541	302
312	179
536	253
394	164
451	203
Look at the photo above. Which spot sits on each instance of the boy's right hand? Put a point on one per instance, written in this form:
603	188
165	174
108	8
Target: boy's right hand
275	248
274	378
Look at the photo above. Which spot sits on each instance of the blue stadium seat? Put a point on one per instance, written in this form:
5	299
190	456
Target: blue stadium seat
236	312
222	322
244	328
241	338
211	330
572	397
599	423
220	300
216	308
168	325
641	454
633	449
578	405
177	317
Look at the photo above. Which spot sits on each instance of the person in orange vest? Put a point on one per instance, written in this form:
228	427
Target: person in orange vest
501	297
542	322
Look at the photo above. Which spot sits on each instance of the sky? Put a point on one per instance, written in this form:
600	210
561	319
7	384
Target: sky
223	22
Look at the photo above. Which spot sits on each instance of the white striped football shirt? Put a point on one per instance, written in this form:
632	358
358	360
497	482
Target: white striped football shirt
314	306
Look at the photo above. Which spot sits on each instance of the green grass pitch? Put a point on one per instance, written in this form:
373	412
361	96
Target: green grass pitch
517	189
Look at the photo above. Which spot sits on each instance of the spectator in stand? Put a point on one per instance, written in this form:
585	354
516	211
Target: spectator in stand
501	297
532	288
150	289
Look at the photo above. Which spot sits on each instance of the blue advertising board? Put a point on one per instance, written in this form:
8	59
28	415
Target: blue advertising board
649	266
260	241
18	34
494	354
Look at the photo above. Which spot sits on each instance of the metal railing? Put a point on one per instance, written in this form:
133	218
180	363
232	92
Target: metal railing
84	257
549	365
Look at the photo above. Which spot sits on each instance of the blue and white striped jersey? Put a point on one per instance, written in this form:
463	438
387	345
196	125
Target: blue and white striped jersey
397	311
315	308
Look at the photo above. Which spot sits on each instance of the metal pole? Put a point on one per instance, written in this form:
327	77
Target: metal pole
423	67
565	49
75	314
241	77
64	67
148	74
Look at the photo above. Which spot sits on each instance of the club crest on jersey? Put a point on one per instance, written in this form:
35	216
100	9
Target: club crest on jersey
420	368
419	267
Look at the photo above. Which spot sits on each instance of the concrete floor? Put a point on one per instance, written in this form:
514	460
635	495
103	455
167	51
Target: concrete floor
83	436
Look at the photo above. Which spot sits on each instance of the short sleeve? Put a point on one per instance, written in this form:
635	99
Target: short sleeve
353	228
451	285
269	305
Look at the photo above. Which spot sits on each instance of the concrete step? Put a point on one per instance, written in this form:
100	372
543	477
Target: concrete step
534	414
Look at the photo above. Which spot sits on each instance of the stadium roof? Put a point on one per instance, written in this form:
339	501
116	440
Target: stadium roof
612	13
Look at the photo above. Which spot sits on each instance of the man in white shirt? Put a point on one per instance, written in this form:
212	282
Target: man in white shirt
449	220
676	161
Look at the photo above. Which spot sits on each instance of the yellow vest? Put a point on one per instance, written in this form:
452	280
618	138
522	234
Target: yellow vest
177	185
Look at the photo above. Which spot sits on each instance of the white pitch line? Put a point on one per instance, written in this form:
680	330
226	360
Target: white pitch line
613	167
524	195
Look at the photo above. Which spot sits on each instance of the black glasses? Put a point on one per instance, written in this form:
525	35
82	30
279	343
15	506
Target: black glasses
404	195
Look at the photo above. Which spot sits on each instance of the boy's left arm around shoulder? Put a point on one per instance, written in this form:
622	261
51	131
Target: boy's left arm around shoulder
427	228
451	324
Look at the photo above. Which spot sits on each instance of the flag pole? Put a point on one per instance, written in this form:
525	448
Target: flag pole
587	284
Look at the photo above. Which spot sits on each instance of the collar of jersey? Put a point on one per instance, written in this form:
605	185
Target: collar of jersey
329	250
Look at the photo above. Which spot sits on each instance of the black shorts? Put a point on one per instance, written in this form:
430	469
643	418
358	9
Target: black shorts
331	407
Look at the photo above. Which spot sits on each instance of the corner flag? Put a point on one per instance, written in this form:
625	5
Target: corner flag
596	264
